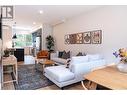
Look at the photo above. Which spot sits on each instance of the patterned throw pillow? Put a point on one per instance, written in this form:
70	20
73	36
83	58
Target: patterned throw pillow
66	55
68	63
79	54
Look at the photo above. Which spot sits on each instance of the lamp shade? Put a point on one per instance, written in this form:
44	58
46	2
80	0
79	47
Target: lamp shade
14	36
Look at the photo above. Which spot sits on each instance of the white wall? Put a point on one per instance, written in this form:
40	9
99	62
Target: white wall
46	31
7	37
112	20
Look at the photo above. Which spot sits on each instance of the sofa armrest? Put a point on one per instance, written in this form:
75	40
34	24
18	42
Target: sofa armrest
81	68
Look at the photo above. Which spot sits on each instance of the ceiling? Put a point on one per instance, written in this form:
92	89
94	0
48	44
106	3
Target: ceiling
25	15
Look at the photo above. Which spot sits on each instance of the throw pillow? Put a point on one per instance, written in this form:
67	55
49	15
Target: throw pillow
60	54
79	54
84	54
68	63
66	55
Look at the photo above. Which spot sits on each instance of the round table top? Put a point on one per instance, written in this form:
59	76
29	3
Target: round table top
45	61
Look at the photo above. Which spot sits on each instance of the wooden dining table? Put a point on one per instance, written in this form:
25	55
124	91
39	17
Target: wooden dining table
109	77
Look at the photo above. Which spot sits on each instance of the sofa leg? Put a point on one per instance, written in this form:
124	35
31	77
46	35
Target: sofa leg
62	88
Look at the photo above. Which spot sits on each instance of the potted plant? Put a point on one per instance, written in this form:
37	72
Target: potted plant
50	43
122	54
6	53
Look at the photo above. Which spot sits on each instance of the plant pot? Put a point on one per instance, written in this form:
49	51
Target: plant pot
6	55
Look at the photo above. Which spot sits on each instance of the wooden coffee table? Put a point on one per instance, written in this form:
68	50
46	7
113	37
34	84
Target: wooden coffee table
108	77
47	62
43	62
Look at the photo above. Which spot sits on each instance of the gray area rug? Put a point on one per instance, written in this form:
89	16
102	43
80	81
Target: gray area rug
29	78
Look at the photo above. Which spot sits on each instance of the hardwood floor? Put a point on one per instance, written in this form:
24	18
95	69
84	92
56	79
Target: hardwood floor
27	60
8	86
76	86
30	60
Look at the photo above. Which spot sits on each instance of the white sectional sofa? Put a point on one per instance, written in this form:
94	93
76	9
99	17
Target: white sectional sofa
79	66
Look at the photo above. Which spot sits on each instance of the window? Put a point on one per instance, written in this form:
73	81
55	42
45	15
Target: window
23	40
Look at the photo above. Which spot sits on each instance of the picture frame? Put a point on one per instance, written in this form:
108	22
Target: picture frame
79	38
72	38
67	39
87	37
96	37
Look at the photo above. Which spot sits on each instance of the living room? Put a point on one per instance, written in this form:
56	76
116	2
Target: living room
109	22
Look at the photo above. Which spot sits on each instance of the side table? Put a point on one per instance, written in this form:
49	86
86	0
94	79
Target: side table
10	61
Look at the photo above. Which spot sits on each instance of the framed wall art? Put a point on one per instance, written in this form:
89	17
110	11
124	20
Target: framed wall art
67	40
90	37
96	37
79	38
72	38
87	37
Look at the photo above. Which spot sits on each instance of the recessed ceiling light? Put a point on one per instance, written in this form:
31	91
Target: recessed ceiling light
41	12
34	23
63	20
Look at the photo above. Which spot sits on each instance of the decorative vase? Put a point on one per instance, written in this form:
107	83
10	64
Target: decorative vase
122	67
6	53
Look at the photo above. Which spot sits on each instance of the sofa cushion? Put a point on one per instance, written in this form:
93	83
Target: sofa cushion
59	73
60	60
94	57
79	59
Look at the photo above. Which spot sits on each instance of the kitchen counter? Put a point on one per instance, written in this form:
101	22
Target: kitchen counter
19	54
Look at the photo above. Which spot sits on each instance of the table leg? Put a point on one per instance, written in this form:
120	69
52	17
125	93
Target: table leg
16	70
89	85
92	85
2	76
85	88
35	64
43	66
